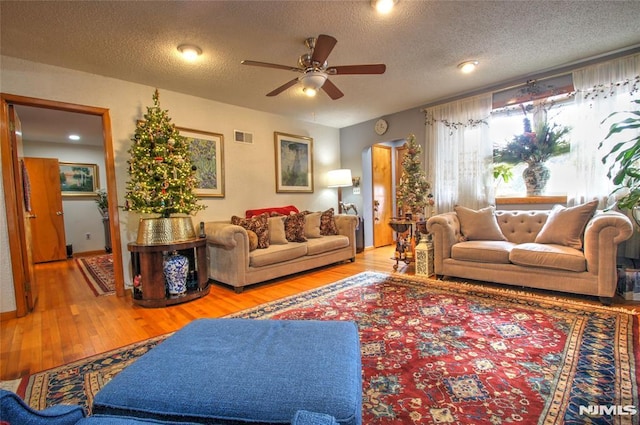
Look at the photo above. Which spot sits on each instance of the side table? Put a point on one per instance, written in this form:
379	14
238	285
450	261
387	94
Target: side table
147	263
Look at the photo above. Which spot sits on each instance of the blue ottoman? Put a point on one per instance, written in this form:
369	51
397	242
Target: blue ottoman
234	371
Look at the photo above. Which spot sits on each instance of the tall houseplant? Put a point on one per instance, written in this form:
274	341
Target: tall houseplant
534	148
625	169
102	201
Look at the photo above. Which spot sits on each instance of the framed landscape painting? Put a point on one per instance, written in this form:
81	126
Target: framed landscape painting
77	179
294	163
207	154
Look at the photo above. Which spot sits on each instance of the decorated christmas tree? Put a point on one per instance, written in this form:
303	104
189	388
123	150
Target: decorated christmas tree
413	190
162	175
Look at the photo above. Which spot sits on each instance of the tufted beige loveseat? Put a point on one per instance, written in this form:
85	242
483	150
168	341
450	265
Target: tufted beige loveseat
518	260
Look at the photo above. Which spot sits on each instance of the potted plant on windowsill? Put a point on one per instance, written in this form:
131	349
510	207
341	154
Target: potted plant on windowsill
625	170
162	180
534	148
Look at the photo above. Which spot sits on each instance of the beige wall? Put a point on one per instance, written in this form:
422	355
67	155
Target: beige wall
249	169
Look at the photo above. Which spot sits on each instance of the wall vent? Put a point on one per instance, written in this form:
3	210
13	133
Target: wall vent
242	136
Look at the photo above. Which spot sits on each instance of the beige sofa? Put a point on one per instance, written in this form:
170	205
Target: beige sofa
231	262
520	253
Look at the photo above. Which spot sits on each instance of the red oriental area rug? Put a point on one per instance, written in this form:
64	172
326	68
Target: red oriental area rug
438	352
98	273
444	353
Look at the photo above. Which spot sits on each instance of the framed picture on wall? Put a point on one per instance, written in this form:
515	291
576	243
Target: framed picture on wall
77	179
207	154
294	163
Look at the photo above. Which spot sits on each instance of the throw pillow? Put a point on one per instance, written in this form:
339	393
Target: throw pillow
328	223
480	225
294	228
565	226
258	224
253	240
277	235
280	210
312	225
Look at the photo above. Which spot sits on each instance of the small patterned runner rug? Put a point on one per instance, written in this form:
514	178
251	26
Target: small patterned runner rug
98	273
443	352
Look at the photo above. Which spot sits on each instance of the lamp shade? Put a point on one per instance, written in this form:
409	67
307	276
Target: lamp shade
340	178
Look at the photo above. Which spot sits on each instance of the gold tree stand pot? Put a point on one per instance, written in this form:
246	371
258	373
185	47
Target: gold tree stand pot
162	231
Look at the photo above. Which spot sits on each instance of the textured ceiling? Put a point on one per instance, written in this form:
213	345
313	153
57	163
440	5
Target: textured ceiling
421	42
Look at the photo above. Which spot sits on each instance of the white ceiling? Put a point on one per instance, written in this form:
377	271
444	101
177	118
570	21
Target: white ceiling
53	126
421	42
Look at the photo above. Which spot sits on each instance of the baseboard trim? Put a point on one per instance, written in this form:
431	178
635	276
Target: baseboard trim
8	315
88	253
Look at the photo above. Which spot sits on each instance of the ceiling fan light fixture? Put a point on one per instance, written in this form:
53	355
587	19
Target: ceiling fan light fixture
383	6
313	80
467	67
189	51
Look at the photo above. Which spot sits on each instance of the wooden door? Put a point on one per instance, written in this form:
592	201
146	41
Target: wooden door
382	195
47	224
27	282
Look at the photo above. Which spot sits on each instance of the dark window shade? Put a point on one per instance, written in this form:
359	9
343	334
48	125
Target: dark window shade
533	90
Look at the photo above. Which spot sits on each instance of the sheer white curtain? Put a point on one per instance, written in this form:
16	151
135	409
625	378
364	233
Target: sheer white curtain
459	153
587	131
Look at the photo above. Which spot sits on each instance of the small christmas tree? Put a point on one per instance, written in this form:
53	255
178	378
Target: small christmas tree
162	175
413	190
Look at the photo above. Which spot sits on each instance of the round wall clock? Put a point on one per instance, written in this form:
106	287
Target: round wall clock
381	127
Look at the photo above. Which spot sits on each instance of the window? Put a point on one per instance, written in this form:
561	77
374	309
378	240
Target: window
505	123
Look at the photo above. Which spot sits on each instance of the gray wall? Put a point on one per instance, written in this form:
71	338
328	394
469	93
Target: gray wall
355	145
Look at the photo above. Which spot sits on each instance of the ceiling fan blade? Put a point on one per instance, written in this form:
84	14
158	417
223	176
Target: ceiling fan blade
324	46
331	89
283	87
271	65
379	68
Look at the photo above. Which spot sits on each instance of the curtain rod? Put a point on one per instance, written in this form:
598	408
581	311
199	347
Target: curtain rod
554	72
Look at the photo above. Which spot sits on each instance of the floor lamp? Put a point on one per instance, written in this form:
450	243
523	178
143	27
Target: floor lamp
340	178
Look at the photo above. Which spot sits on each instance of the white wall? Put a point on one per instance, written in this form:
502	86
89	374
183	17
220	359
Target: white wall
81	215
249	169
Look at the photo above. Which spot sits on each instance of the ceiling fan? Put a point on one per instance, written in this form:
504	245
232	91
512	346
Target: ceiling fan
315	70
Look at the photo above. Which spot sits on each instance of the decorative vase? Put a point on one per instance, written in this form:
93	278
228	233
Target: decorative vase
535	178
176	270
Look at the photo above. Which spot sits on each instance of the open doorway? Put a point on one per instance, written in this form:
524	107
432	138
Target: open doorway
385	167
14	190
72	145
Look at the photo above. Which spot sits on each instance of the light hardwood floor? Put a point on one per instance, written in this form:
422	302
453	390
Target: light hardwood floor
70	323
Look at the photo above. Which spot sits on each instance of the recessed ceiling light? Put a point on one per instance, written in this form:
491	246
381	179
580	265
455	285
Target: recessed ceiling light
468	66
383	6
189	51
74	137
